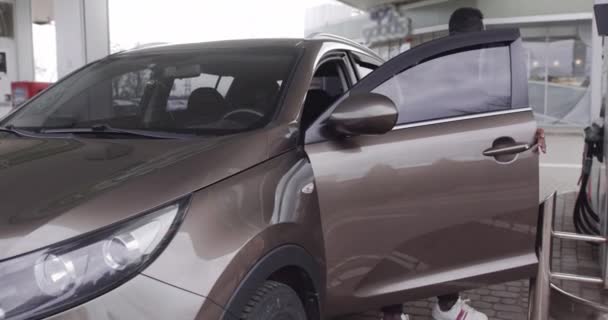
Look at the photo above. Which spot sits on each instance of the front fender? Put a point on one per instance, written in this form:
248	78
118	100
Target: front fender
234	224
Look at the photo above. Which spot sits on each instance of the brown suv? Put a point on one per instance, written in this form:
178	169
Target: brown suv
268	179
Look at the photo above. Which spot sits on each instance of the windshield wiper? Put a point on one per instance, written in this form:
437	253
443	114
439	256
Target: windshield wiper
12	130
28	134
107	129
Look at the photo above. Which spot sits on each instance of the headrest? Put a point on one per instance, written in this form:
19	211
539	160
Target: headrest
205	96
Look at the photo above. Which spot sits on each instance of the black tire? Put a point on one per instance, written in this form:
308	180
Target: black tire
274	301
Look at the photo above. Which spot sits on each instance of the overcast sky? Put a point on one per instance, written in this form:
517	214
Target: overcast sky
145	21
137	22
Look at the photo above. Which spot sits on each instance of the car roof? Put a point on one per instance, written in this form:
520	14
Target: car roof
160	48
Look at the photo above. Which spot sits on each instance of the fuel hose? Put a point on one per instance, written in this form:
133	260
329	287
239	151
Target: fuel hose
586	220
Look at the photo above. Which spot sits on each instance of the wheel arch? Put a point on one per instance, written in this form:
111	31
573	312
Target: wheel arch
288	264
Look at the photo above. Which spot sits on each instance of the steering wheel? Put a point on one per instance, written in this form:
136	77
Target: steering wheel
244	111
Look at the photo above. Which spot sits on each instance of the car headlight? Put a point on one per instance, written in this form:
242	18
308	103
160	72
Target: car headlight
61	276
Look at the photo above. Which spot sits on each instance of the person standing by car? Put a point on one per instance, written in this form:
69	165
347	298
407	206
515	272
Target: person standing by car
471	20
450	306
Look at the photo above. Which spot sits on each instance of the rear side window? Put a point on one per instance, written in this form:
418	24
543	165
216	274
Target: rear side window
328	84
224	84
363	68
330	78
458	84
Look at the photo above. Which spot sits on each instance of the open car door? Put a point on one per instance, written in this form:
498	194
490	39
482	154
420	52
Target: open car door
448	199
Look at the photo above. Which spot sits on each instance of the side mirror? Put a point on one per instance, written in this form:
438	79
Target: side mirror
364	114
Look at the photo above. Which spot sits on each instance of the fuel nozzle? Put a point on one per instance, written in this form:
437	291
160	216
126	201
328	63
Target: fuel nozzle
594	142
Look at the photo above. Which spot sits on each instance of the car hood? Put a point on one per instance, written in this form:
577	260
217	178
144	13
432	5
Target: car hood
53	189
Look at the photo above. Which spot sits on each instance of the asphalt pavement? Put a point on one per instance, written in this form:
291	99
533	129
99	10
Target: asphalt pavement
560	167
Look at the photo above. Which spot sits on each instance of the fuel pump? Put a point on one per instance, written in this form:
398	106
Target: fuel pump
586	220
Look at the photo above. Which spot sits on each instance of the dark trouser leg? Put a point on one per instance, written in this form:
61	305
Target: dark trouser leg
393	312
447	301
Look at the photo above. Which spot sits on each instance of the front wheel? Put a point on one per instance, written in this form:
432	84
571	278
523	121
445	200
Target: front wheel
274	301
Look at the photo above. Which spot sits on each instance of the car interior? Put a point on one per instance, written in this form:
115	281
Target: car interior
247	101
211	95
328	84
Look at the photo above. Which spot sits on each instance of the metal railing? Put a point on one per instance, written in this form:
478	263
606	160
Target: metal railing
542	287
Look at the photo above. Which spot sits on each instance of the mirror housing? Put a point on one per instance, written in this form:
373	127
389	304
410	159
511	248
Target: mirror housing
364	114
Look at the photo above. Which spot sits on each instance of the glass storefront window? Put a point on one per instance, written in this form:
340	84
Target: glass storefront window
536	57
559	71
383	52
395	48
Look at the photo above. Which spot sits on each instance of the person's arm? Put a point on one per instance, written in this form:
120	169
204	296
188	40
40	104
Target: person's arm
540	140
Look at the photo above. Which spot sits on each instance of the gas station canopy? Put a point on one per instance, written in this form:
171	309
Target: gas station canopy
368	4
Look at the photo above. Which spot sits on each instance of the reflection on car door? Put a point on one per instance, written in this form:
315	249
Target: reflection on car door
448	199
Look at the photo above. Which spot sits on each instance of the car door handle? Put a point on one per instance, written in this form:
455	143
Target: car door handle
504	150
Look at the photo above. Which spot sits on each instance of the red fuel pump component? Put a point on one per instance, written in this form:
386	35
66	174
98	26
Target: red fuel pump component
25	90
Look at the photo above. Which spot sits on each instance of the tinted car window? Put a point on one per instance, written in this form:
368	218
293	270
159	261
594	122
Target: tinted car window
211	91
182	89
331	78
127	91
224	84
458	84
327	85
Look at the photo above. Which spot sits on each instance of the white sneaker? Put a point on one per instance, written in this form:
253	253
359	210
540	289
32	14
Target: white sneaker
460	311
403	317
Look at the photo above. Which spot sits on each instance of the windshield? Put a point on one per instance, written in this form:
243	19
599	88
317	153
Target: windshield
214	92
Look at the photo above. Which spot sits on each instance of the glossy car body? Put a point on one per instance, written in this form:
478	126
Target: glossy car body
352	223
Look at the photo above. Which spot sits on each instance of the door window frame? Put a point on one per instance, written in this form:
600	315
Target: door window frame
434	49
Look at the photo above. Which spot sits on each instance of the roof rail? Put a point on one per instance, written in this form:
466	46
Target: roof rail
149	45
141	46
329	36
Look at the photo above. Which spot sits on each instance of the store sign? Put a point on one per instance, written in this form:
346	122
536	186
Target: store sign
388	24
